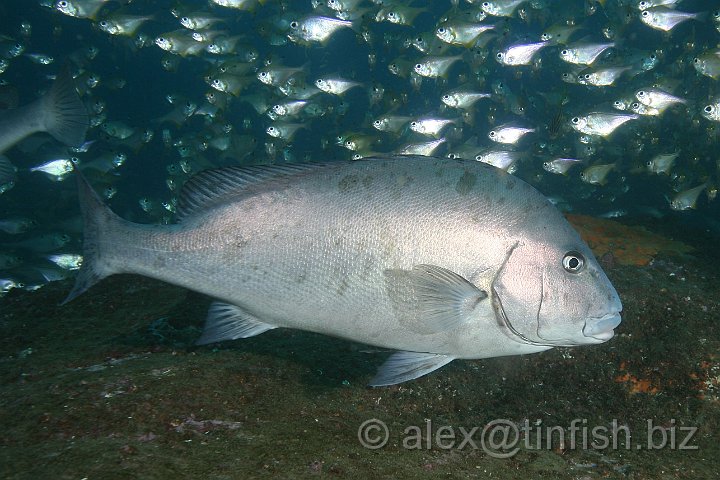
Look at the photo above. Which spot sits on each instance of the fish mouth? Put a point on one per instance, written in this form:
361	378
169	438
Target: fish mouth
602	328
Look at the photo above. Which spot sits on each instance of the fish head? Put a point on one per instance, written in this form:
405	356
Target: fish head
552	291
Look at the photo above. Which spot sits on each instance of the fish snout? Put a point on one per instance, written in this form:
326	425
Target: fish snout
601	329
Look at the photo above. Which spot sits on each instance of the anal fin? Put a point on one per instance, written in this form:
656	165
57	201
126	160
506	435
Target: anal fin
404	366
229	322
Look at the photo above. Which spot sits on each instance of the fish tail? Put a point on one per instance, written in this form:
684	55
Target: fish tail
98	221
65	115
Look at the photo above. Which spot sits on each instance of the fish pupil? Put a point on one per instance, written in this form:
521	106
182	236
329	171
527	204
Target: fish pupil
573	262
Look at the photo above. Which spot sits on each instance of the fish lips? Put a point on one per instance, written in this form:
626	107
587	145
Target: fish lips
601	329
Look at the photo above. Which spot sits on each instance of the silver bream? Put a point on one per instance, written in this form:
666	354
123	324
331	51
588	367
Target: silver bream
437	258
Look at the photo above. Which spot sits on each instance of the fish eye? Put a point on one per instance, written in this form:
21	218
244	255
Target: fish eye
417	66
641	93
441	30
575	120
499	55
446	97
696	60
293	24
635	105
586	76
492	134
573	262
546	164
63	3
103	23
708	109
184	19
413	124
486	4
645	13
564	53
649	163
377	123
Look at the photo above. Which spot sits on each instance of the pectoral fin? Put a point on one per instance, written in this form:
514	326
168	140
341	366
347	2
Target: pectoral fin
404	366
430	299
228	322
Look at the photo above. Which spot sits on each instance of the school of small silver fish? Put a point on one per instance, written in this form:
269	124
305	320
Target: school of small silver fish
610	108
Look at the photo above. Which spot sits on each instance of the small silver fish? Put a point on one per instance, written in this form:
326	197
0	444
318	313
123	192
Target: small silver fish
662	163
520	54
509	134
314	28
687	199
712	111
55	169
434	66
501	8
560	165
599	123
708	64
463	97
336	85
431	126
665	19
597	174
583	53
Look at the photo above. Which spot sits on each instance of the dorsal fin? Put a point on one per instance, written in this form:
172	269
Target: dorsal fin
216	186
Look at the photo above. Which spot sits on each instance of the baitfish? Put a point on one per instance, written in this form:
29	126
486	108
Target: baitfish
440	259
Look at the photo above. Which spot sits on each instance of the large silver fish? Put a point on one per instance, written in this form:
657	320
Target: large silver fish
60	113
438	258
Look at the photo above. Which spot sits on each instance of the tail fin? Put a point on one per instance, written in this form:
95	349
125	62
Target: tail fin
97	219
66	117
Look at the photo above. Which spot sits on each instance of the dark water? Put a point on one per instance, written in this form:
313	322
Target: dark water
111	386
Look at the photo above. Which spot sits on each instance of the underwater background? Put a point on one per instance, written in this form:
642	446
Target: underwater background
111	385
